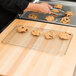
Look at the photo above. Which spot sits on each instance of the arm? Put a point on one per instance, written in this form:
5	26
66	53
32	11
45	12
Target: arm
42	8
15	6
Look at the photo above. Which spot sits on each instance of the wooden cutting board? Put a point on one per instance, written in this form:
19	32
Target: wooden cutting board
20	61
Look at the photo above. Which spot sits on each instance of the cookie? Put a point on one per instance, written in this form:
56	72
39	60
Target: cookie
65	20
64	36
54	10
33	16
50	35
58	6
50	18
22	29
36	32
69	14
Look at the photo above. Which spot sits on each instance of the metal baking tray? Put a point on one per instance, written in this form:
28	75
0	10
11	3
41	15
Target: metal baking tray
55	46
41	17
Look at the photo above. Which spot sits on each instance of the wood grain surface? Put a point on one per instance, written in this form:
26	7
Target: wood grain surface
20	61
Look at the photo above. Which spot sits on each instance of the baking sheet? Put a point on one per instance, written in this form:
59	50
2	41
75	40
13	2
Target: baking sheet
26	40
66	7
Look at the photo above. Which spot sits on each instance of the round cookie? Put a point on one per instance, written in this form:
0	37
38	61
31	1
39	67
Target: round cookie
33	16
58	6
69	14
36	32
65	20
64	36
50	35
54	10
22	29
50	18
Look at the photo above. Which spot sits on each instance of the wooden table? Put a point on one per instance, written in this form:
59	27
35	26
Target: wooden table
19	61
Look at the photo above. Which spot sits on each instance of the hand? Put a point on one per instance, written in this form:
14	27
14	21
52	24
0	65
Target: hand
41	8
45	8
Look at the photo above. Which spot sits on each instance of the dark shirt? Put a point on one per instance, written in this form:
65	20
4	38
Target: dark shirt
9	9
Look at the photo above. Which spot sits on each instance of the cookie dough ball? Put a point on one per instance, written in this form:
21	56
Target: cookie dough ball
64	36
54	10
50	18
50	35
65	20
36	32
69	14
58	6
33	16
22	29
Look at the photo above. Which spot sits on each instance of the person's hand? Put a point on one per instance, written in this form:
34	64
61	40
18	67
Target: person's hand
45	8
41	8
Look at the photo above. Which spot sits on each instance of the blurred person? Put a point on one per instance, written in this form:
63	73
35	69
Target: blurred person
10	8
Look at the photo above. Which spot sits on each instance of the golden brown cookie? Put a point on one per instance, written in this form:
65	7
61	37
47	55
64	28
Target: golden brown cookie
58	6
50	35
69	14
65	36
22	29
36	32
65	20
33	16
50	18
54	10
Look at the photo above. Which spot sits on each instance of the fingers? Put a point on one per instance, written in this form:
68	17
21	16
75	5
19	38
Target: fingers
47	11
50	6
47	4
